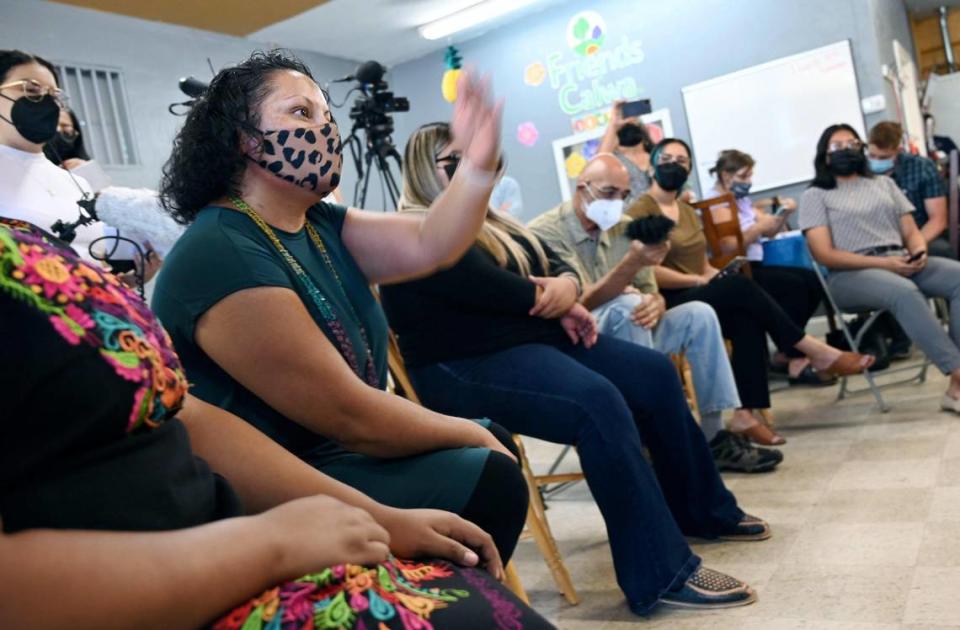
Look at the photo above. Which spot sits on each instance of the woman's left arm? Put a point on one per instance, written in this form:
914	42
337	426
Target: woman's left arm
392	248
266	475
912	236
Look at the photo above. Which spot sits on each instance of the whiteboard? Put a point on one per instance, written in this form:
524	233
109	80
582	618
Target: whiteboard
776	112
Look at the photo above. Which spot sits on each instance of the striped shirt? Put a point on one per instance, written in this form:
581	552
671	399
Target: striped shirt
861	214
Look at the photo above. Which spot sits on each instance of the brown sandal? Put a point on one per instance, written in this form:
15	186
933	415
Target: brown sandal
763	435
850	363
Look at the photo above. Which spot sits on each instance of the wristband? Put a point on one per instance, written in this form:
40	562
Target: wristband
474	176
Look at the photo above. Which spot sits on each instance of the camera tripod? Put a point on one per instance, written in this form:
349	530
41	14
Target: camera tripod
380	154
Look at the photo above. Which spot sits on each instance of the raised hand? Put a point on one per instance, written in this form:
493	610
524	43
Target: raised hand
476	121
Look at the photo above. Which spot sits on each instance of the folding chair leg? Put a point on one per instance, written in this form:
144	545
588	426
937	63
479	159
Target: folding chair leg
513	583
884	407
540	529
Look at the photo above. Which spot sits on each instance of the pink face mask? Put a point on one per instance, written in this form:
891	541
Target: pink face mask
308	157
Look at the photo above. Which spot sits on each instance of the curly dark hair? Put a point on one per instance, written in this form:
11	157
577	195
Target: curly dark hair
206	162
823	176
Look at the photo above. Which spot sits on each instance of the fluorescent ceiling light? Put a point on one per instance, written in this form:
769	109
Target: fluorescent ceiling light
470	17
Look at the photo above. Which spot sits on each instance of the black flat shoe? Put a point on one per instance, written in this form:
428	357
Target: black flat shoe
707	589
750	528
810	377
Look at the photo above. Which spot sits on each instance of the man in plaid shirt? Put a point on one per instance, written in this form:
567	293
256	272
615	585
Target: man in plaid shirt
919	180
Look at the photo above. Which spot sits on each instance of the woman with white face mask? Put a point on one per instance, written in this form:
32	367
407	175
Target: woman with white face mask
501	335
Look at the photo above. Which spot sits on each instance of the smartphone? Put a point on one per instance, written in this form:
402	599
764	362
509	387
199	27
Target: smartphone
776	208
639	107
917	256
731	267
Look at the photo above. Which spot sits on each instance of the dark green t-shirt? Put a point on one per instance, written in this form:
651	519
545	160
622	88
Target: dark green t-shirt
223	252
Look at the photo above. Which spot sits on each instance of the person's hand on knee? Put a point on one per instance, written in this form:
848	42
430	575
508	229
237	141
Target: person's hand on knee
439	534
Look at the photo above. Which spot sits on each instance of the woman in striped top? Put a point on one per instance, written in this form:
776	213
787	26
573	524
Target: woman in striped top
862	228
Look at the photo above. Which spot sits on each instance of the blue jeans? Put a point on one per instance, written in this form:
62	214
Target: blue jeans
610	402
691	328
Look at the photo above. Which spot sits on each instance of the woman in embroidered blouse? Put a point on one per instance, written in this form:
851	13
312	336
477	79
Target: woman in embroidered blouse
102	488
267	299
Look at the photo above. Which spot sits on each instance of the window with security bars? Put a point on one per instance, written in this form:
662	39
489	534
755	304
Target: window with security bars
98	98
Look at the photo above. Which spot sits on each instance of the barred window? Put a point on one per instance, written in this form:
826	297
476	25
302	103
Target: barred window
98	98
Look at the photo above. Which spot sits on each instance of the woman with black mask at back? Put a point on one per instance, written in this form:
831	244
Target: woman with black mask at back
67	149
746	312
862	228
628	139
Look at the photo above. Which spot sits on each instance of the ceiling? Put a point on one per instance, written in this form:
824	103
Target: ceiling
233	17
923	8
384	30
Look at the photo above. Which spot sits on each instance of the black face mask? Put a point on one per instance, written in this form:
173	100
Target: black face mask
846	162
630	135
35	121
671	176
61	147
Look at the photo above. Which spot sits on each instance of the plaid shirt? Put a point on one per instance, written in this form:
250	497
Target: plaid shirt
919	180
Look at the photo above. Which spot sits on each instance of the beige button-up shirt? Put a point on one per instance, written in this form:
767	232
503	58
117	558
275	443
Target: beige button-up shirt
592	257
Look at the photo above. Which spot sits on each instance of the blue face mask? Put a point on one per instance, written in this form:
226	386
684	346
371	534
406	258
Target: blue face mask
740	189
879	167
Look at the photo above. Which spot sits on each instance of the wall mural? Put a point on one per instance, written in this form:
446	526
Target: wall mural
572	153
590	74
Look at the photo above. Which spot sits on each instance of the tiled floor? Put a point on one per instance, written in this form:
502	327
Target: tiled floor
866	517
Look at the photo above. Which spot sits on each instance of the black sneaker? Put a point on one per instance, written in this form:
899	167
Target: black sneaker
750	528
707	588
735	453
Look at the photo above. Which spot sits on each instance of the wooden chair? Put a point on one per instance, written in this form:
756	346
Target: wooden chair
537	524
686	379
720	222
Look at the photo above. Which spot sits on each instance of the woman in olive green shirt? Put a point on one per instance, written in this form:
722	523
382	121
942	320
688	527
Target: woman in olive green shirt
267	299
746	312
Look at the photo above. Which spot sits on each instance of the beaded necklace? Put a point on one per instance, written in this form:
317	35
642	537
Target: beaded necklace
318	299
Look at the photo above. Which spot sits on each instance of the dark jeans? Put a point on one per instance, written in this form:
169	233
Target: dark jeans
795	289
610	402
747	314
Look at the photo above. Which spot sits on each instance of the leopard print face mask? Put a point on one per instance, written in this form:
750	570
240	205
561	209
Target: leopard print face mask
309	157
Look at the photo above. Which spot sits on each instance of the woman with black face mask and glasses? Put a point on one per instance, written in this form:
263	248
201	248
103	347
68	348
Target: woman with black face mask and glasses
861	227
32	189
746	312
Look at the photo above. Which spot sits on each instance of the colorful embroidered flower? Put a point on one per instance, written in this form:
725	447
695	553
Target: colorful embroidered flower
87	305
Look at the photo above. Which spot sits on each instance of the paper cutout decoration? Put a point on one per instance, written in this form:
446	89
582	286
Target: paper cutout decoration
585	33
527	134
453	62
534	74
574	164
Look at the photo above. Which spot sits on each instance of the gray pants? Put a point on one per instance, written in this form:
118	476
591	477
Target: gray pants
941	247
906	299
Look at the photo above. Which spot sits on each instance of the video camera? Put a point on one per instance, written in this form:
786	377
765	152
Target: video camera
372	110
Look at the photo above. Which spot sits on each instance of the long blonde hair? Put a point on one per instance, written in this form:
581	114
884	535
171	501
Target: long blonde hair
422	185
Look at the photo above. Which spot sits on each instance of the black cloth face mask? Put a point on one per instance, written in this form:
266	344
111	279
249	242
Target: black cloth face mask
846	162
61	147
450	164
36	121
671	176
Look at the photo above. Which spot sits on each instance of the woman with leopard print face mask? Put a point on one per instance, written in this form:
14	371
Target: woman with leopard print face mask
267	299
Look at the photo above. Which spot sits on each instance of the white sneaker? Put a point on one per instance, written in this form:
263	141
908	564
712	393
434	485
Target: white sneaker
949	403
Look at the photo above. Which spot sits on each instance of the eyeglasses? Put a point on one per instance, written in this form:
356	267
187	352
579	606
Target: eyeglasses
35	91
608	193
666	158
856	145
